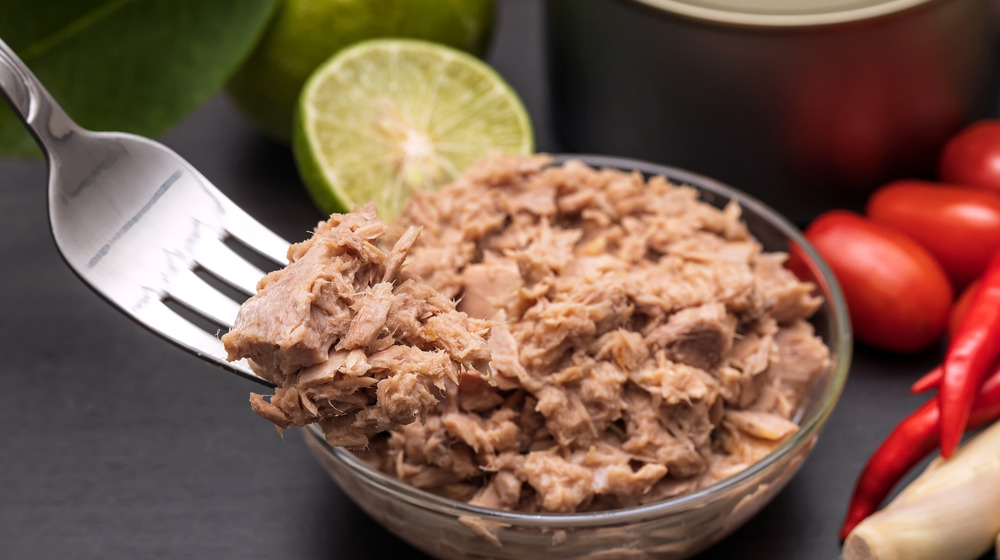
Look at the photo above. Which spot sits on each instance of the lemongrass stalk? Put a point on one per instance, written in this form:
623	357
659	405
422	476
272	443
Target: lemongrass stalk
952	510
978	458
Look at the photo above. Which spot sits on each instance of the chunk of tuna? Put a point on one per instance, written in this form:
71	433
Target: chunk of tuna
350	344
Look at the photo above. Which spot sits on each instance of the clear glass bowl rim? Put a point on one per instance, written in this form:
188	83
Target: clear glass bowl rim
840	331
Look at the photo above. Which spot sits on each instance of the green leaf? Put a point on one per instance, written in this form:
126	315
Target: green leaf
131	65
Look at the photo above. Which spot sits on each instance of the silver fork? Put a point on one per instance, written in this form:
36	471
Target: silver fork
135	222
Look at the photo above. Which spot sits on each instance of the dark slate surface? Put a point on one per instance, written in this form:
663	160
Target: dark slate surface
115	444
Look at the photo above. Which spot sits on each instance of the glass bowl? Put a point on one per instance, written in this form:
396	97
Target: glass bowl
672	529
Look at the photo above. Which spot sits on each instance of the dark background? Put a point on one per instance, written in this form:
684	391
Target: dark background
114	444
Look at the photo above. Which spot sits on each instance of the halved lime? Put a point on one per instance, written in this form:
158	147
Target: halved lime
386	116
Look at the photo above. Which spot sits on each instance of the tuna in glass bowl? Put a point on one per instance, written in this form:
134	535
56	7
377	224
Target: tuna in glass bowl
674	528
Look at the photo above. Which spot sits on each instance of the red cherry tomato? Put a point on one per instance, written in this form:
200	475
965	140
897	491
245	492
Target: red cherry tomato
898	296
960	308
959	226
972	157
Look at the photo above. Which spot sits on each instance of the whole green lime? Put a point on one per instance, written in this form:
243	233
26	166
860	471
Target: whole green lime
305	33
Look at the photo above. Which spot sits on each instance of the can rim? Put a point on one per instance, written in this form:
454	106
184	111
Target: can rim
763	19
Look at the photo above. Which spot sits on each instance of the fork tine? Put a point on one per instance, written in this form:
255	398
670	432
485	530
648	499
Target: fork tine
161	319
253	234
227	265
203	298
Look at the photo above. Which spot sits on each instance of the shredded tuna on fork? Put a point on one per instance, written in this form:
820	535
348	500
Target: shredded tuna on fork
353	343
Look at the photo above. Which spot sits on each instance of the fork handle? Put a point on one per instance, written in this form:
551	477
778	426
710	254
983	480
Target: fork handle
36	108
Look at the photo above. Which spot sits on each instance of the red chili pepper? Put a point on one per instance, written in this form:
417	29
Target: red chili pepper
907	445
975	347
955	320
960	308
930	381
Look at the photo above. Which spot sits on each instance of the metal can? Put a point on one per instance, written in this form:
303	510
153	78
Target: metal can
807	104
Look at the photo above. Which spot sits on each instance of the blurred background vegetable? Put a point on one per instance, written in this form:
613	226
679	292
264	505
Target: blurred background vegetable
123	65
972	157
